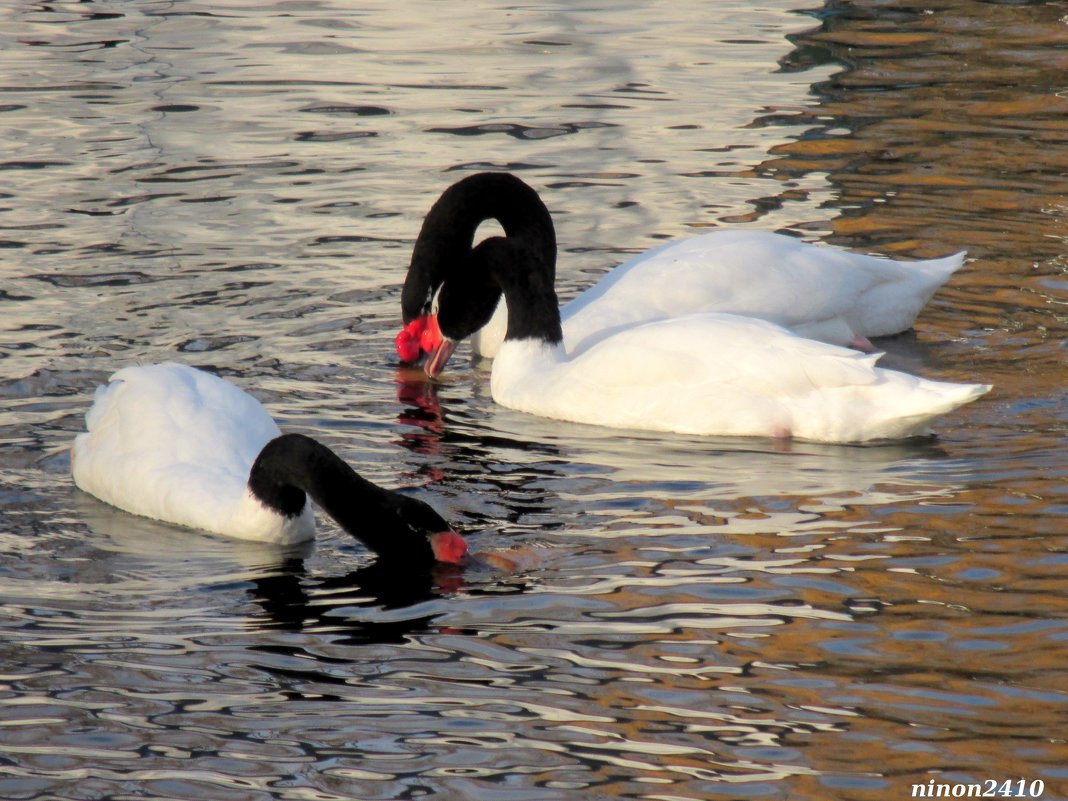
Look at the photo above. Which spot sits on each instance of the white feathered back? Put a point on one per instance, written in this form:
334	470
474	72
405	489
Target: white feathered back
174	443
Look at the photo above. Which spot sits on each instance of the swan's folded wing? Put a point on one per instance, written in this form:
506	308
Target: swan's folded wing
172	443
728	375
707	350
749	273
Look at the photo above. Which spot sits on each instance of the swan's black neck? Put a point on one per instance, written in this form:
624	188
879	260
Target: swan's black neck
394	526
527	282
448	233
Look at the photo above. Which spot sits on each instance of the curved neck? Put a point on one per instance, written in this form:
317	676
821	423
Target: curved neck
448	232
292	466
501	263
528	285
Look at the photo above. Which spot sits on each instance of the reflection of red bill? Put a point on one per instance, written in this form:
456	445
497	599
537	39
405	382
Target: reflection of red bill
439	357
448	546
420	336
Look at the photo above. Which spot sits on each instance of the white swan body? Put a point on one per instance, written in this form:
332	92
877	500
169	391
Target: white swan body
816	291
184	446
180	445
641	348
174	443
721	374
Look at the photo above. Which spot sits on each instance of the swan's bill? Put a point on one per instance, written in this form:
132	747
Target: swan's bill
448	546
439	357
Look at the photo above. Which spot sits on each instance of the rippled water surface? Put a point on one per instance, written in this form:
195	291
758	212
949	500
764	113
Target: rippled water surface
238	186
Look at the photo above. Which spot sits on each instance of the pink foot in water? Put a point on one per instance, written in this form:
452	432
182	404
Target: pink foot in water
512	560
782	439
861	343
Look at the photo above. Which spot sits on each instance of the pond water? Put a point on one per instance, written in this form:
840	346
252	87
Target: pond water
238	186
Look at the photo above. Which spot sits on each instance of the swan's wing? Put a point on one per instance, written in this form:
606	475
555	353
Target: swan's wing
770	276
821	291
729	375
713	350
171	442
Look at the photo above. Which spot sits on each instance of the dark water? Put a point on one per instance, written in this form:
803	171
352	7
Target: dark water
238	186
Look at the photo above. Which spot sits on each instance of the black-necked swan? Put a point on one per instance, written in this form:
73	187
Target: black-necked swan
710	373
816	291
178	444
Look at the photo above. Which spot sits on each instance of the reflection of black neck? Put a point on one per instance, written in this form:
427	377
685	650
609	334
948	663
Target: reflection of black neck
390	524
349	605
289	597
448	232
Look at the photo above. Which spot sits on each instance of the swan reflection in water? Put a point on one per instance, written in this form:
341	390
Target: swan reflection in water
346	605
289	585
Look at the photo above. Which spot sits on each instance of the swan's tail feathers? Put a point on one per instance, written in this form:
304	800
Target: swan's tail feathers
912	414
103	404
966	393
943	396
892	306
939	270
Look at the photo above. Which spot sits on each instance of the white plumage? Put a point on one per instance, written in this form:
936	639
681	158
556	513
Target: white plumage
816	291
714	335
174	443
721	374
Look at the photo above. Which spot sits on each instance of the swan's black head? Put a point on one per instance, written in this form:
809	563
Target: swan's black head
469	297
423	525
394	526
467	301
446	241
